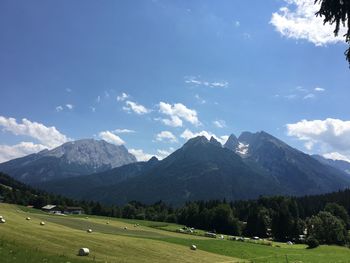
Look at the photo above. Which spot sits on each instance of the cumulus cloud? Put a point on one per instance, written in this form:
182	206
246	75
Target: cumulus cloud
166	136
8	152
177	113
187	134
174	121
69	106
122	97
200	99
297	20
123	131
318	89
59	108
309	96
136	108
140	155
336	156
330	136
196	81
219	123
110	137
50	137
161	154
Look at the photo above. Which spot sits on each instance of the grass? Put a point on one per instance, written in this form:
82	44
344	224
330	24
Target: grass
62	236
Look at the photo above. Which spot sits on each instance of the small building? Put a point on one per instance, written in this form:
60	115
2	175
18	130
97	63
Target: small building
53	209
73	210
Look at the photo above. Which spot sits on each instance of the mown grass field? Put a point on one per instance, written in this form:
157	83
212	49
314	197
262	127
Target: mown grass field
61	237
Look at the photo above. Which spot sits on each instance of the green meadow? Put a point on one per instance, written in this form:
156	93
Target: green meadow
118	240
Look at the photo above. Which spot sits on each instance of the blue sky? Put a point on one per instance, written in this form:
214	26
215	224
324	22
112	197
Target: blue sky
184	67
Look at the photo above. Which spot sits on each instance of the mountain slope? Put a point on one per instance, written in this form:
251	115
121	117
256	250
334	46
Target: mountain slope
298	172
70	159
339	164
200	170
74	188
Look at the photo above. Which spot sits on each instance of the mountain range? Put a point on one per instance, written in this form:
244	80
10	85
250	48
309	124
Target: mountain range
71	159
246	167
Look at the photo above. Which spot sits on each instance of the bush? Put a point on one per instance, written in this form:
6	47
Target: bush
312	242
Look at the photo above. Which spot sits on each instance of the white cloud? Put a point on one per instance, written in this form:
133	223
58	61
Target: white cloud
68	90
59	108
329	135
137	108
123	131
174	121
8	152
199	82
110	137
69	106
297	20
166	136
177	113
187	134
309	96
50	137
219	123
161	154
301	89
98	99
122	97
237	23
93	109
200	99
336	156
140	155
318	89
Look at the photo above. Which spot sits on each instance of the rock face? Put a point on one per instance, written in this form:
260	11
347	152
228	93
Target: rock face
339	164
68	160
297	172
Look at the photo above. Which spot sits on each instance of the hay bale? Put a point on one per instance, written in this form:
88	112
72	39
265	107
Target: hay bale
193	247
27	218
89	230
83	251
42	223
107	222
1	217
126	228
2	220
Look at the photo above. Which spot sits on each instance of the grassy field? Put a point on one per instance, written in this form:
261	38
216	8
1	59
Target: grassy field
62	236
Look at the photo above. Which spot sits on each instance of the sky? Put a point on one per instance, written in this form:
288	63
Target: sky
152	74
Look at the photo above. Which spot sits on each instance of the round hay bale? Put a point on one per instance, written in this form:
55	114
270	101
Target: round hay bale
89	230
125	228
83	251
193	247
1	217
2	220
87	217
107	222
42	223
27	218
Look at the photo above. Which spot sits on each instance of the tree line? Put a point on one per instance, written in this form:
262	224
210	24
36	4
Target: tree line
319	219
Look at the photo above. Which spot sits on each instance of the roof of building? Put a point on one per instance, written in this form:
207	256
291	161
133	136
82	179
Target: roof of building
48	207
